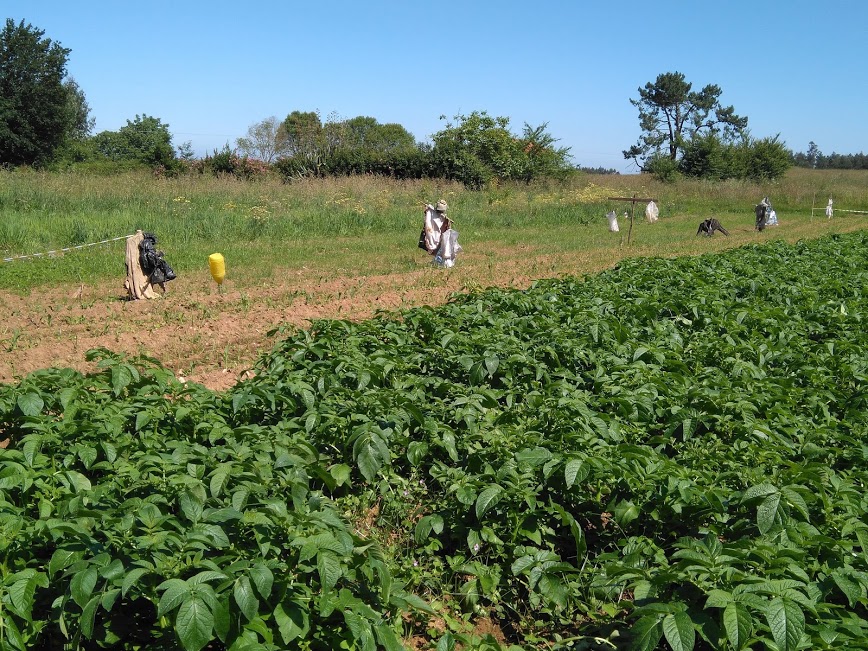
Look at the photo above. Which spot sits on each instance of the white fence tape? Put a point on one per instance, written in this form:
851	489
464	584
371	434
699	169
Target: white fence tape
69	248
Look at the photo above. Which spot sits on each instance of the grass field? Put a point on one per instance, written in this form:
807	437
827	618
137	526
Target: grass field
361	224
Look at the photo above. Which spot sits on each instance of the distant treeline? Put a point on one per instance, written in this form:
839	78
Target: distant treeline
815	159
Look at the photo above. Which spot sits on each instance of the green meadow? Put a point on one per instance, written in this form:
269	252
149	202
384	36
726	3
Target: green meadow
357	225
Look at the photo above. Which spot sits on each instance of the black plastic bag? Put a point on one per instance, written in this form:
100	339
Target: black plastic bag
154	266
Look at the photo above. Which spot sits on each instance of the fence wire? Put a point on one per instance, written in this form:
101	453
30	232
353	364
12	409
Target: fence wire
65	249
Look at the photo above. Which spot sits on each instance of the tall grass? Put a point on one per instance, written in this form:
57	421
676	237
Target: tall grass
349	222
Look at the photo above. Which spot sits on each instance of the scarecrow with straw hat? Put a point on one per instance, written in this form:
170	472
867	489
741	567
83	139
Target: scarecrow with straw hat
438	237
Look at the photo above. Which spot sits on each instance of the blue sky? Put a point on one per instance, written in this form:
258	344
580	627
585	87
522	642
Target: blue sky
212	69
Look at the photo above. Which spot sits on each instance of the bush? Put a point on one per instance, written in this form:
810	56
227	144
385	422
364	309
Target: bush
663	168
228	162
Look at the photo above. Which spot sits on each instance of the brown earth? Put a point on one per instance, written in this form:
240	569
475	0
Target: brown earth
214	338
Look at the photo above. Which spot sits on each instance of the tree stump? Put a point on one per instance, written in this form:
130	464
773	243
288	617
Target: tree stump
137	284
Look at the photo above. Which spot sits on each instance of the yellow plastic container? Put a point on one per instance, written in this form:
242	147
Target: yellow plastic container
218	267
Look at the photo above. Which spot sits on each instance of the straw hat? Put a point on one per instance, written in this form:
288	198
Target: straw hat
441	206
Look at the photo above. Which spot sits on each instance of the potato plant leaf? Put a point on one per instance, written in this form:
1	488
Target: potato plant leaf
678	629
487	499
786	621
194	623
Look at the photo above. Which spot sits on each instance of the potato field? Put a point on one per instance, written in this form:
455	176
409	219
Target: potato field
671	454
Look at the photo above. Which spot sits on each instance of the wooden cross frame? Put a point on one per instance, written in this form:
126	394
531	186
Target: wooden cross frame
632	201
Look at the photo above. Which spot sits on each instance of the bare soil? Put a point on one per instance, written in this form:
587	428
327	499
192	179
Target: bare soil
213	337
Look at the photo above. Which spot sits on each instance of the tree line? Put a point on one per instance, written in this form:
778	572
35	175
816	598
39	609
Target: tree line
815	159
45	122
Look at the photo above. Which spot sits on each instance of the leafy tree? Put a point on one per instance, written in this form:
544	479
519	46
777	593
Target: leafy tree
708	157
145	139
765	159
34	103
478	148
545	160
304	133
814	154
265	140
80	124
368	134
671	115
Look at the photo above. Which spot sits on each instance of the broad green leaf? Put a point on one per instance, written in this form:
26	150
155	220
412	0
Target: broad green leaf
359	627
487	499
416	452
13	635
787	623
113	570
87	455
847	586
206	576
142	419
191	507
760	490
109	597
533	457
796	501
767	512
738	624
718	599
448	439
642	590
30	404
78	481
368	455
522	563
552	588
61	559
175	591
465	495
82	585
263	580
678	629
862	537
387	638
194	624
292	621
122	376
22	591
222	515
131	578
646	634
446	642
340	472
329	569
222	619
626	512
247	602
88	613
575	471
219	479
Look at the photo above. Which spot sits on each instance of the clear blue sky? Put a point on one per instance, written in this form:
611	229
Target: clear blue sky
210	69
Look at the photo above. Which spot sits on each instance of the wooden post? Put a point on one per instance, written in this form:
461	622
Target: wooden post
137	284
632	201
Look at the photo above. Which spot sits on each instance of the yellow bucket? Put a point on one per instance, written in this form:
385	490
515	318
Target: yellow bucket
218	267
